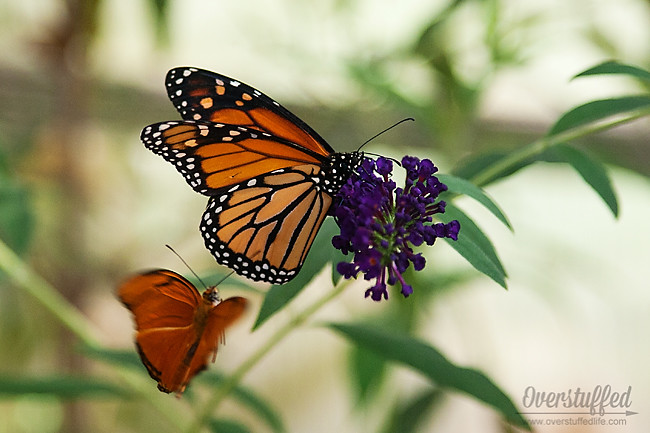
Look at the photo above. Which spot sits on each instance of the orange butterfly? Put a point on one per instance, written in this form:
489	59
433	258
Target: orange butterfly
177	329
270	177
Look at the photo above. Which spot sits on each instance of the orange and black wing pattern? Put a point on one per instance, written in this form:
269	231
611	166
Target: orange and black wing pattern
270	177
177	329
205	96
264	231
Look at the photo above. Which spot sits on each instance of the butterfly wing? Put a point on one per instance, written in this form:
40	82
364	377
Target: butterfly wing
270	176
160	298
173	356
163	304
212	156
177	328
264	228
219	318
163	352
206	96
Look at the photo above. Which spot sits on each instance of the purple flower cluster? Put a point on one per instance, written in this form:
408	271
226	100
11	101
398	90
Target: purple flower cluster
380	222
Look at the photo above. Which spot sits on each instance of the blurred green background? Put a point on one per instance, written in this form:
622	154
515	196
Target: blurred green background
86	204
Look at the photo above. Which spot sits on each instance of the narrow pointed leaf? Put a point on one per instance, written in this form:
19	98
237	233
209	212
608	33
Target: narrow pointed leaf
222	425
367	371
119	357
68	387
465	187
479	260
16	213
276	298
474	165
249	399
475	246
408	416
595	111
614	67
432	364
591	170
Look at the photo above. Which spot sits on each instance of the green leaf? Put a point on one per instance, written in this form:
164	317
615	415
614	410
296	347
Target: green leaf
321	253
408	416
614	67
591	170
475	164
478	259
16	216
119	357
599	110
276	298
246	397
367	370
160	12
462	186
68	387
222	425
475	246
432	364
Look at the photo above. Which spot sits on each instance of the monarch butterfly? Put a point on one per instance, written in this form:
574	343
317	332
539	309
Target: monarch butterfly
271	178
177	328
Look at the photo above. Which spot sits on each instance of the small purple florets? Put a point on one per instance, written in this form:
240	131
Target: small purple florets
380	222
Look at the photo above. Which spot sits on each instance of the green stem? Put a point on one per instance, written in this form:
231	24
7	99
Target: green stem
22	275
539	146
236	377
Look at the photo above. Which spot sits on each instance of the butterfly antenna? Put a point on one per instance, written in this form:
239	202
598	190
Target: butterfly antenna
188	266
225	276
382	156
385	130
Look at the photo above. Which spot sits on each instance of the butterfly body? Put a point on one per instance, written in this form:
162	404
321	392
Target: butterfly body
271	178
177	329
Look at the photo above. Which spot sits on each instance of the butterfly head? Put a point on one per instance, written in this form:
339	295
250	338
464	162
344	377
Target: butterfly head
211	296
